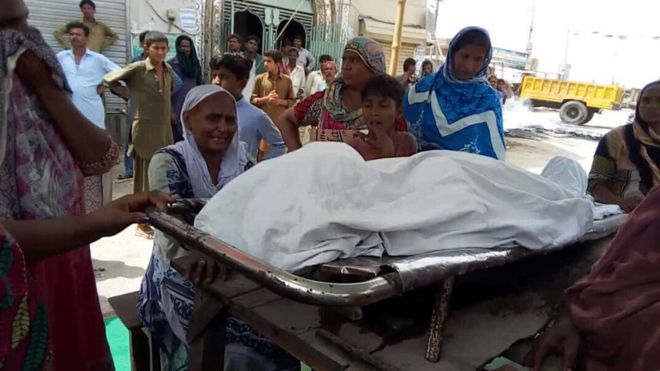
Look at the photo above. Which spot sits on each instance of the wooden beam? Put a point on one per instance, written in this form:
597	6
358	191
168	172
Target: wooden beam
396	40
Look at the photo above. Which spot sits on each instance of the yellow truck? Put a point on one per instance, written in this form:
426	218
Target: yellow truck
577	102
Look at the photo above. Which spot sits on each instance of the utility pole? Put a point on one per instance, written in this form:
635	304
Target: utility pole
396	41
531	31
566	67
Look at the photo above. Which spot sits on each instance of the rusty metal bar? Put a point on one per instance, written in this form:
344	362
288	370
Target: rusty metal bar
281	282
440	314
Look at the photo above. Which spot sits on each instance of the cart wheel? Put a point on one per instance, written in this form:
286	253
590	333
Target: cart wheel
574	112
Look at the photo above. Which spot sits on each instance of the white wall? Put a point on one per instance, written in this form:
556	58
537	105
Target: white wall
143	17
415	13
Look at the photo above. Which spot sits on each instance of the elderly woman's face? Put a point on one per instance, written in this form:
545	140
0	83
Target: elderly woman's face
649	107
213	123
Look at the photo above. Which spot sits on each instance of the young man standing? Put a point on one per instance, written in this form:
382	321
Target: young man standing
252	54
232	73
296	73
149	83
100	35
305	57
273	92
128	161
408	77
84	70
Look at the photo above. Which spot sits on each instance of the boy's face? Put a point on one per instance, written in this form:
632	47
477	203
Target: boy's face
252	46
411	69
88	11
157	51
225	79
234	45
428	69
380	113
270	64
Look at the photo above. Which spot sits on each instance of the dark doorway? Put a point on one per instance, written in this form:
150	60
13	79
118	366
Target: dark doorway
292	30
247	24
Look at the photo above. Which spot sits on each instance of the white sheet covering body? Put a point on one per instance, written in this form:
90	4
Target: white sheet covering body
324	202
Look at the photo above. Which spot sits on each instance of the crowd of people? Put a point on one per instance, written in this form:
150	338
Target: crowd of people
190	138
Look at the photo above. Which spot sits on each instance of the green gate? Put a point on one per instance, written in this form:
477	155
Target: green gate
328	39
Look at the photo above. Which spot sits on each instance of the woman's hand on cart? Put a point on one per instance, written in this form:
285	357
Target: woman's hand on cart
127	210
204	271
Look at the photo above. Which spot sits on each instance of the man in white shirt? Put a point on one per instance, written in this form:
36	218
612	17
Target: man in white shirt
84	70
296	73
315	79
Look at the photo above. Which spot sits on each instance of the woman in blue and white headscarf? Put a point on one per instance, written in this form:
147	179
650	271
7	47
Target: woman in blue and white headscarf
456	109
210	156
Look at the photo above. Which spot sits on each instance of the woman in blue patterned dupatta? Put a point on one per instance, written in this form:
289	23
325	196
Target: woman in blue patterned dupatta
456	109
210	156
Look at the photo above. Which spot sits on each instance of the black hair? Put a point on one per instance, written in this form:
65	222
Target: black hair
87	2
76	24
325	58
292	48
426	63
299	37
254	38
384	86
155	37
276	55
235	36
142	36
472	37
239	66
407	63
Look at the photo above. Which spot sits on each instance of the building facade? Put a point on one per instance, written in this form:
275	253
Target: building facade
373	22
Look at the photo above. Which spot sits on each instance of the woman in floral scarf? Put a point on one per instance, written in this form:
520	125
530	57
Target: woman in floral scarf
339	107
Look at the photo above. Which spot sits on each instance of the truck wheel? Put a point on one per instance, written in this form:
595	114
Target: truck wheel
574	112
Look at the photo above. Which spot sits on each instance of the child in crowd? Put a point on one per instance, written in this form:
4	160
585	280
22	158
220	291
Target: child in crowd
231	72
381	106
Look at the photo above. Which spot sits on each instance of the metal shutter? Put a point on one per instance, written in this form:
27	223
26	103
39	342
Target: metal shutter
407	51
49	15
